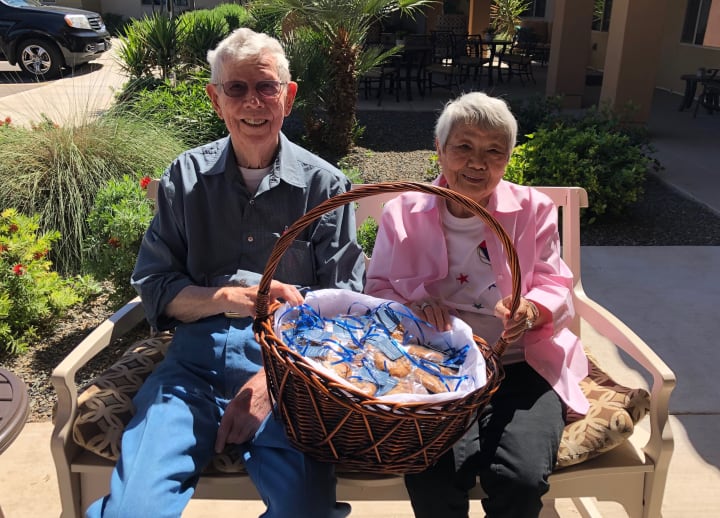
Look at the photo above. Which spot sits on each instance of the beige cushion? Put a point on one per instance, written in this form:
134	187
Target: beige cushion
614	410
105	407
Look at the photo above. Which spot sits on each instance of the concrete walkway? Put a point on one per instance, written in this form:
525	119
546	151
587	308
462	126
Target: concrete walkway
667	295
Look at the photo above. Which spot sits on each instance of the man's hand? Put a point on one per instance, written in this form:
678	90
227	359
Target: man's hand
196	302
244	299
244	413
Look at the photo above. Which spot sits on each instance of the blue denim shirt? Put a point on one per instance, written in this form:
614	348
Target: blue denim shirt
209	230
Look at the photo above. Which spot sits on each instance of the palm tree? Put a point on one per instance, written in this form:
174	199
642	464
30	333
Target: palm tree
342	27
505	15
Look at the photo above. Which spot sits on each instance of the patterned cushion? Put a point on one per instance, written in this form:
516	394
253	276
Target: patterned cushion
614	410
105	407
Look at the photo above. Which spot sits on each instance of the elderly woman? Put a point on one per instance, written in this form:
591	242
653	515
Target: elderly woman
441	260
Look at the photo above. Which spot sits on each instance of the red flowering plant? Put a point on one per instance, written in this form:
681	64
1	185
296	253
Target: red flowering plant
117	223
31	294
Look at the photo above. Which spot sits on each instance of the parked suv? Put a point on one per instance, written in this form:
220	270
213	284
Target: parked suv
43	39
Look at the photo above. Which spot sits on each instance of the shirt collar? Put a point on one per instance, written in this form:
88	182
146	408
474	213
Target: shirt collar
286	166
221	159
502	200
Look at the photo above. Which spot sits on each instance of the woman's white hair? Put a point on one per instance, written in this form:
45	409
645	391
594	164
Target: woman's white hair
481	110
244	44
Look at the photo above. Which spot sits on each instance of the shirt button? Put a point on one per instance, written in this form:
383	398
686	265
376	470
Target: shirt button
252	202
250	239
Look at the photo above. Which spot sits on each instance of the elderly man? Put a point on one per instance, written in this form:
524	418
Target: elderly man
221	208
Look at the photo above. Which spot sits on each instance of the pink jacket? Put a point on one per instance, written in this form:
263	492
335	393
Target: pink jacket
410	252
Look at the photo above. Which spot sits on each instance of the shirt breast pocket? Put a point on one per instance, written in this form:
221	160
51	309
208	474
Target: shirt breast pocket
297	265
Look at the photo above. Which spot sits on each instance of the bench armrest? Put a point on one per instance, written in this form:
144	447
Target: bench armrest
63	378
660	443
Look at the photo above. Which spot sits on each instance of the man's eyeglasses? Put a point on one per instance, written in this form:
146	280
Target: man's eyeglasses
266	89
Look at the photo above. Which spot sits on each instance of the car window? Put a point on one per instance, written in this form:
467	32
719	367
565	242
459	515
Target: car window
22	3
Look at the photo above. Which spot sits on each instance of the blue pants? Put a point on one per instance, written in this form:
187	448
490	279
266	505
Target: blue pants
171	438
512	448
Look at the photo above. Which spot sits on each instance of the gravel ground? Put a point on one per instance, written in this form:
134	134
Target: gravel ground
663	217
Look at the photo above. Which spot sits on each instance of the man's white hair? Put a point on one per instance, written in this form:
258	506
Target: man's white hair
244	44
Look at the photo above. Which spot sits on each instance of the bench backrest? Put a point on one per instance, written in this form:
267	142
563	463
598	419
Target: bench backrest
568	200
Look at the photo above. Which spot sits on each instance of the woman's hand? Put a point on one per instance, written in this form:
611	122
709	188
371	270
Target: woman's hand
432	312
245	413
526	317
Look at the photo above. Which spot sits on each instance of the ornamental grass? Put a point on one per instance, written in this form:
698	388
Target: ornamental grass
56	171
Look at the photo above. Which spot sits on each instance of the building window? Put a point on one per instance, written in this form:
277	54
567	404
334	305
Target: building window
601	15
702	23
536	9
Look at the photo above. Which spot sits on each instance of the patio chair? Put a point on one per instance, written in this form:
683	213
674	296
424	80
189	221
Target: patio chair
443	70
603	456
476	57
411	64
709	97
380	79
519	60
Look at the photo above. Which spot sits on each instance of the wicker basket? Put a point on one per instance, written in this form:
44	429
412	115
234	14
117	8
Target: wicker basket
333	423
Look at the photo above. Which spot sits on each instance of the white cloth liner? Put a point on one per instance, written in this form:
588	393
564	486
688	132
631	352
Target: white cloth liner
330	303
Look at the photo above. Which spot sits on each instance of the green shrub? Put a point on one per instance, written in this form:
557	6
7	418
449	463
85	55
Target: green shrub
182	107
117	223
607	164
433	168
235	15
57	171
201	31
366	234
133	51
535	112
132	89
30	292
151	43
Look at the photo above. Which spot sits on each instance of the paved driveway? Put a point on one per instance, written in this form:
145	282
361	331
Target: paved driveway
14	81
85	91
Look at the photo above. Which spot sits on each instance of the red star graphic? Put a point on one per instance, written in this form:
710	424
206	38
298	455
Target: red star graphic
462	278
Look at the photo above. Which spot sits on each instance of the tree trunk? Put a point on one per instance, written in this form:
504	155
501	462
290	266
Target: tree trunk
343	97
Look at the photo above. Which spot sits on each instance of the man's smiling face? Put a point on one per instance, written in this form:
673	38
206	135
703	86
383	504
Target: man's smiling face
254	121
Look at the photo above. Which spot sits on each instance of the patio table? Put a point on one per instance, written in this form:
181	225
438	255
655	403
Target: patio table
496	49
14	407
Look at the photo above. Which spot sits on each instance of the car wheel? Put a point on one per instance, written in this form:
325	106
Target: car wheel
40	59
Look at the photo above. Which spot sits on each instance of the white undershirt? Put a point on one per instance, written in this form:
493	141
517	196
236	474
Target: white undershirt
253	177
469	287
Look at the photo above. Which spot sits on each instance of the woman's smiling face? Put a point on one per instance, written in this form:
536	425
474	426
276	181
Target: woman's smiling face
473	162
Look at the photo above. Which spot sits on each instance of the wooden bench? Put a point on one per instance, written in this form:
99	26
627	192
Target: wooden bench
633	473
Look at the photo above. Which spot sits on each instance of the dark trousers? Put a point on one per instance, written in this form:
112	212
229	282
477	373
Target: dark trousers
512	448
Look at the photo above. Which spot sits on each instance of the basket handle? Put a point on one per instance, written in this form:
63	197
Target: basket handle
367	190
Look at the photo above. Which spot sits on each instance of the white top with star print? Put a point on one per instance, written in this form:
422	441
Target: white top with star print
469	288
